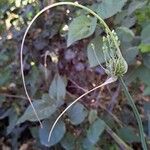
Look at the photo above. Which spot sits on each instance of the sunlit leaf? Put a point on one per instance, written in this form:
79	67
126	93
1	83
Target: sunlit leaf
145	48
88	145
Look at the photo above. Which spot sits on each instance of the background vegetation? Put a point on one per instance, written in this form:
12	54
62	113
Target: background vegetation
69	72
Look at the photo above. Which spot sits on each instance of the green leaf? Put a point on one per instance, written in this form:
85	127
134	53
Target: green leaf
143	73
92	115
108	8
128	135
95	131
77	113
87	145
144	48
68	142
130	54
32	81
134	5
5	76
46	98
146	59
81	27
57	133
145	36
44	110
142	15
125	36
147	91
35	133
57	90
12	121
97	42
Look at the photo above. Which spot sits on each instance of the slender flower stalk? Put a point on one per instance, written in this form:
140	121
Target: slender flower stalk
136	113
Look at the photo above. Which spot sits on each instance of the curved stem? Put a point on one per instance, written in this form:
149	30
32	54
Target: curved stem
32	21
108	81
136	113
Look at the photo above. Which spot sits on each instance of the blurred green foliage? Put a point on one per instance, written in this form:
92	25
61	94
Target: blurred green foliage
83	126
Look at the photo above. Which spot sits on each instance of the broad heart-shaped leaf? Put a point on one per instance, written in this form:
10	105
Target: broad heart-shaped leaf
44	110
126	36
108	8
97	45
57	133
95	130
77	113
130	54
57	90
81	27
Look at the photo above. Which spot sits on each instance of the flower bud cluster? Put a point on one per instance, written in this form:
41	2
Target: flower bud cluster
115	64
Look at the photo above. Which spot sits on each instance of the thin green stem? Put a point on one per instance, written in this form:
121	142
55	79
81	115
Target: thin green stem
136	113
119	141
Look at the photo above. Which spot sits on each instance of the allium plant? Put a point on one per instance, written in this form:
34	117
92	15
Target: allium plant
115	66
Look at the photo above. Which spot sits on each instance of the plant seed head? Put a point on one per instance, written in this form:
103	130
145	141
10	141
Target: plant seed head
116	65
